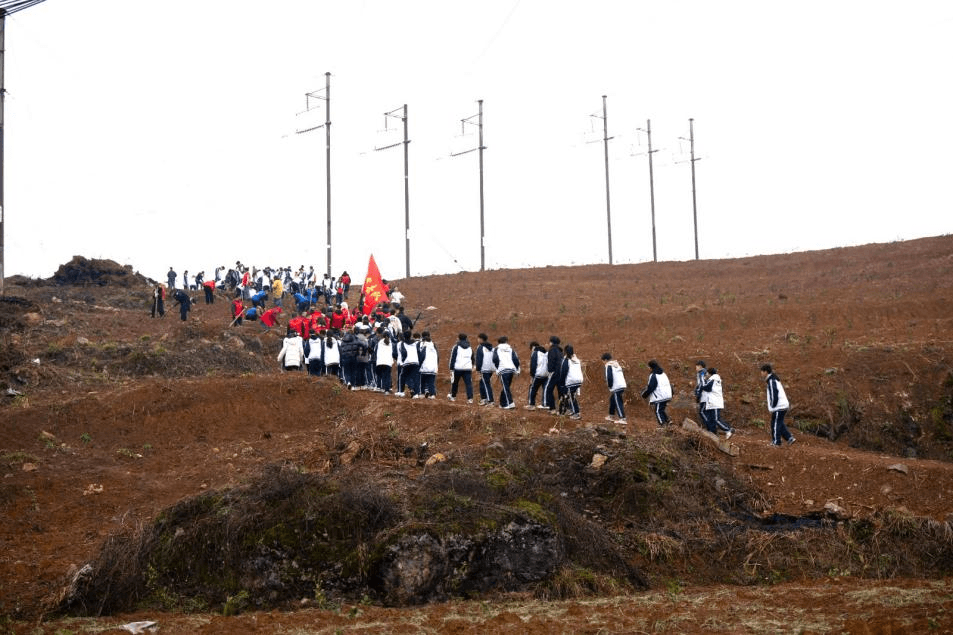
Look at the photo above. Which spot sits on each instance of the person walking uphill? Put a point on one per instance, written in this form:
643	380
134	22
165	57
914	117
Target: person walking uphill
777	405
659	392
461	366
292	351
507	364
571	378
715	403
538	373
554	361
615	380
484	366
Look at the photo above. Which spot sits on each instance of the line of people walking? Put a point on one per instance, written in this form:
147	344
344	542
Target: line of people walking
365	357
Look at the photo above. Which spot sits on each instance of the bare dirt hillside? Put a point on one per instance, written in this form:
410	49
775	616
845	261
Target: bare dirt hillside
110	419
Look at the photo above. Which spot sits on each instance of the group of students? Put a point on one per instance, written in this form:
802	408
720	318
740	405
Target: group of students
364	357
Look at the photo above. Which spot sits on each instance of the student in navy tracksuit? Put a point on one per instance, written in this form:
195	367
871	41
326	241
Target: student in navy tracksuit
408	370
507	364
659	392
615	380
554	360
571	378
715	403
461	367
484	365
777	405
701	397
537	372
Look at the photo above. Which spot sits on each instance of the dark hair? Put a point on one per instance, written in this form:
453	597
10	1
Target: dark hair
462	336
553	339
655	367
569	350
606	357
701	363
534	345
483	336
712	371
767	368
502	339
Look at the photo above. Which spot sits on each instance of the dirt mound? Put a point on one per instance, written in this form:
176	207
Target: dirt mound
84	272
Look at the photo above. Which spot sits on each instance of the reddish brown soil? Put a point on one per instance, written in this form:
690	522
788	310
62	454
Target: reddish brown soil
861	337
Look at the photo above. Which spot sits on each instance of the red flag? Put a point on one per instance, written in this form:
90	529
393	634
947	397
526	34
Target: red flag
374	289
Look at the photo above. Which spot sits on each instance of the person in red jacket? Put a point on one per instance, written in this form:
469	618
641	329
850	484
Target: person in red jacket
345	281
337	319
300	324
238	310
319	325
269	318
209	287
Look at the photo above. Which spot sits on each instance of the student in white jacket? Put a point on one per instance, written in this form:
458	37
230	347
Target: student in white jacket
292	351
777	405
659	392
715	403
428	366
615	380
571	374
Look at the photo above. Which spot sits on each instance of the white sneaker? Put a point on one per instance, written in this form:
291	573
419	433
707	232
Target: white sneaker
483	402
575	417
398	394
530	407
728	434
418	397
469	401
610	418
451	398
509	407
621	422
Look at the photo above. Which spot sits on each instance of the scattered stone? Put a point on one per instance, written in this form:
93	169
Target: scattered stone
32	319
93	488
47	436
836	510
598	460
719	484
351	451
899	467
886	489
82	341
29	467
436	458
809	503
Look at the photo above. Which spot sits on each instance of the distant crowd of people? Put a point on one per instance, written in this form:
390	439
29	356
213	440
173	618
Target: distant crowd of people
364	349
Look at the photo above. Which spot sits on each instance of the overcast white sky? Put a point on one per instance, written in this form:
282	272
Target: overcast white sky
160	134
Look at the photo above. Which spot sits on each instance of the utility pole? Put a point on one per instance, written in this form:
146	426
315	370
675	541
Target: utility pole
405	143
481	148
648	133
327	135
692	160
7	7
605	141
691	137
